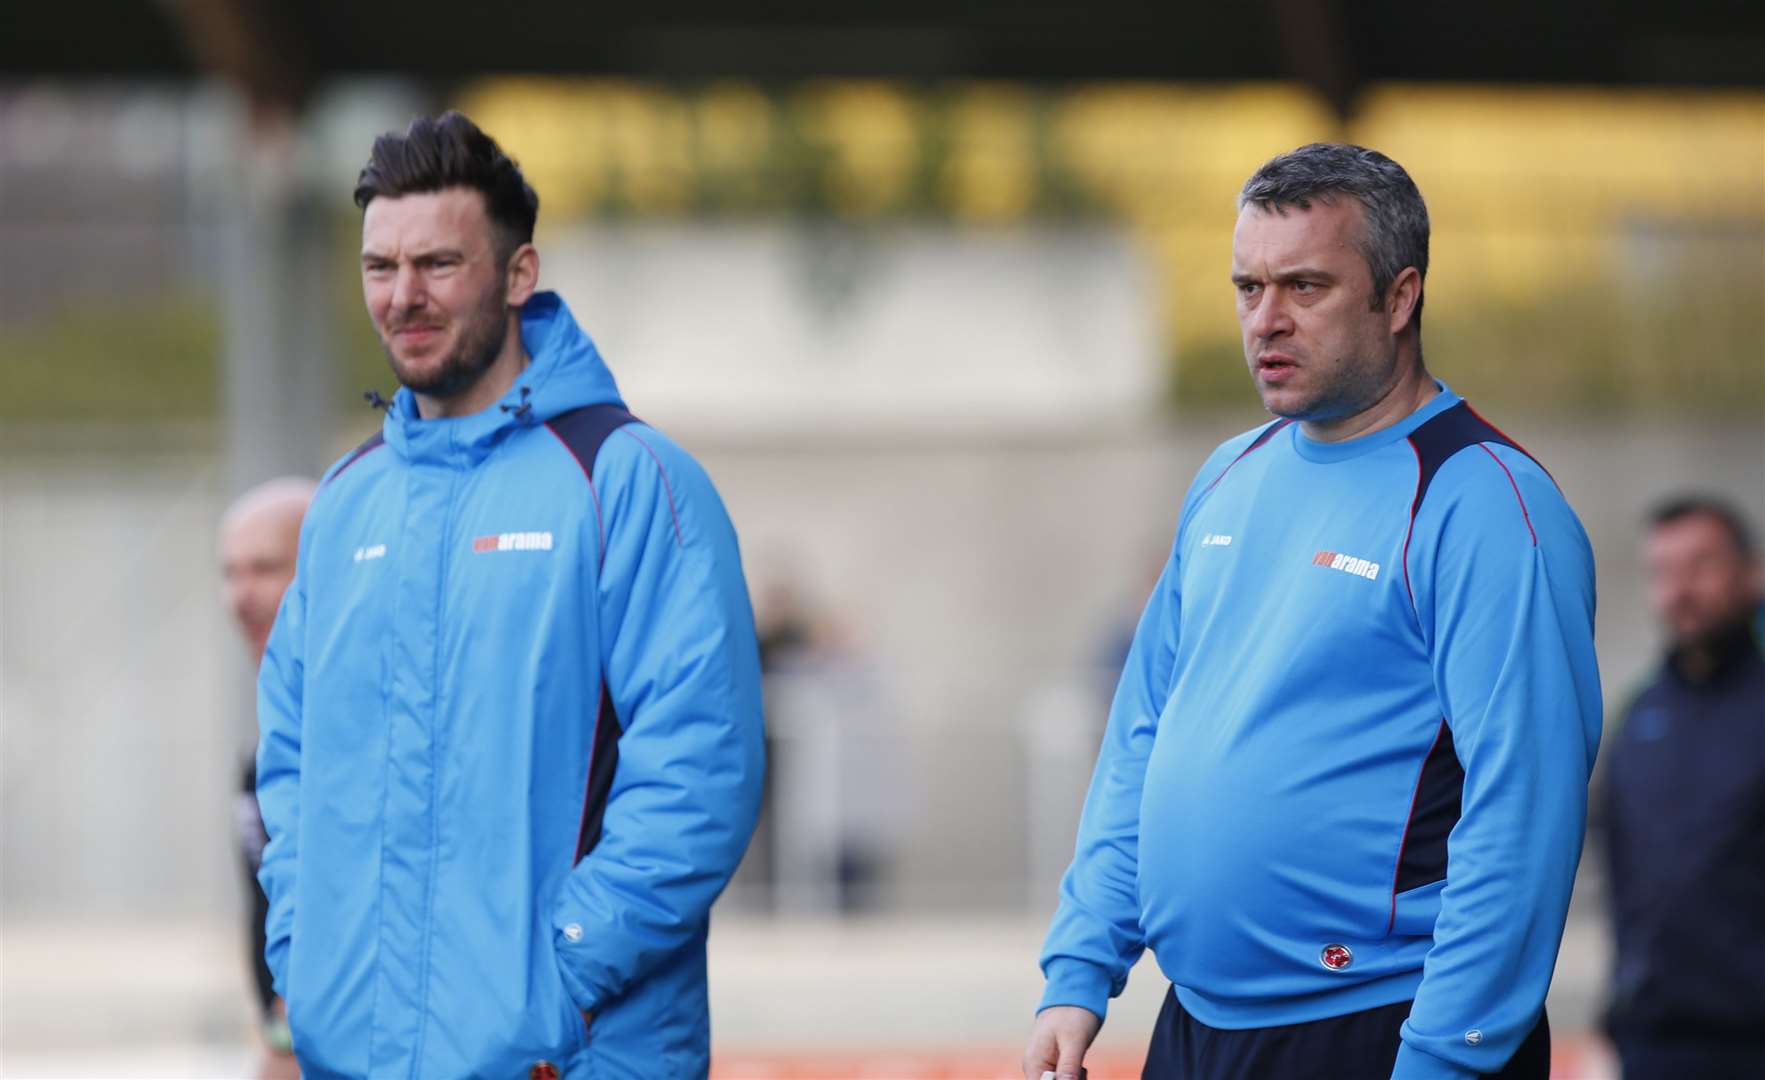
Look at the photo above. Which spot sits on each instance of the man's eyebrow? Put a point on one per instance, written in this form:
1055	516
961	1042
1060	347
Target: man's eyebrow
1285	277
370	255
1305	273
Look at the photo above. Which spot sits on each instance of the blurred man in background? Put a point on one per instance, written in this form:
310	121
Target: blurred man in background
1684	813
511	719
259	538
1374	631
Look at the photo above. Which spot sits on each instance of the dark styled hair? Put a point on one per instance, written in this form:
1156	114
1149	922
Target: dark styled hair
440	152
1395	235
1680	507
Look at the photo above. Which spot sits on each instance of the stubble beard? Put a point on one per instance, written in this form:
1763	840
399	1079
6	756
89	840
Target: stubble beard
1715	627
1354	386
481	340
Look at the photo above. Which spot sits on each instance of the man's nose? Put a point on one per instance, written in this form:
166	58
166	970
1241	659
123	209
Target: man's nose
1270	318
407	289
1673	597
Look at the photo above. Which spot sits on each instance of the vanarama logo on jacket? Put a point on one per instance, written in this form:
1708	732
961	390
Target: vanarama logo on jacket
1335	560
512	742
514	541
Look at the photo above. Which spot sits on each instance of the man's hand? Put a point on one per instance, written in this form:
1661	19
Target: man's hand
275	1066
1059	1040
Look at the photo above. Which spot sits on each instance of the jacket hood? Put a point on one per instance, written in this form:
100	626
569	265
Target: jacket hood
566	372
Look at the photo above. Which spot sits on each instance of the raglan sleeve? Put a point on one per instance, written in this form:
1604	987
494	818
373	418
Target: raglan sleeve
682	668
1503	584
1095	936
280	694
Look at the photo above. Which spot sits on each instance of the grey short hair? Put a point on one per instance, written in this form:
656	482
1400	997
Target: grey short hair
286	497
1396	233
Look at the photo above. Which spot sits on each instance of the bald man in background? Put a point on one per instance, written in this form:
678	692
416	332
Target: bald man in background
259	538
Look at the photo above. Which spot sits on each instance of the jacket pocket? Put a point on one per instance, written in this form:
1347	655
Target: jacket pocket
574	1025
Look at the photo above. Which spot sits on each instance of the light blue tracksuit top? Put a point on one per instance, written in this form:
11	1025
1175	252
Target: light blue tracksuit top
511	740
1347	763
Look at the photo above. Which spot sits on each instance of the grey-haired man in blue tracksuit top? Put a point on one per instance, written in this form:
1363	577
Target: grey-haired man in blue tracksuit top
1343	786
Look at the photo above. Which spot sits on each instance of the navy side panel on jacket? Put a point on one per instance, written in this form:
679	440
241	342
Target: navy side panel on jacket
603	762
583	431
1433	813
1441	783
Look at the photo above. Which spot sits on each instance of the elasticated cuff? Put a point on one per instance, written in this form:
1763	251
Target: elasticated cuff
1075	982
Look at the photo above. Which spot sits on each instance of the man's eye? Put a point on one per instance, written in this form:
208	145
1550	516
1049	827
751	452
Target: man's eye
1303	287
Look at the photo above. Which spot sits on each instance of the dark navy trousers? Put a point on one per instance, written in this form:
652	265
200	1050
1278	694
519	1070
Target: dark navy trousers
1359	1046
1690	1059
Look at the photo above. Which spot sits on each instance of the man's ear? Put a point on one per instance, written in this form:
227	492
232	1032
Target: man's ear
1402	299
522	276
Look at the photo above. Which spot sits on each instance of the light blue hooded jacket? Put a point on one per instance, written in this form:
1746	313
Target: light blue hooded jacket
511	740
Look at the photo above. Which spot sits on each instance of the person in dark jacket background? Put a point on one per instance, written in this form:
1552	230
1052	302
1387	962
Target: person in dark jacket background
1684	813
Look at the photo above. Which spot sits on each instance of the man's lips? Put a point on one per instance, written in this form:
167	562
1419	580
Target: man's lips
1275	367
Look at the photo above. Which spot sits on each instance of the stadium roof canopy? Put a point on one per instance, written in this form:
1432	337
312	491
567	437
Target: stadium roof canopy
280	49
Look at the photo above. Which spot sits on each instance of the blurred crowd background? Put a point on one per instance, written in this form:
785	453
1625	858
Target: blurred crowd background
942	303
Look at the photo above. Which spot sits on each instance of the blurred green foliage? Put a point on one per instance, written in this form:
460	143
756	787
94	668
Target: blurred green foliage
1591	349
147	362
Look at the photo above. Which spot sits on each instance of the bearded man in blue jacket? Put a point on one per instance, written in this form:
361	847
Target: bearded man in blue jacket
511	732
1342	790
